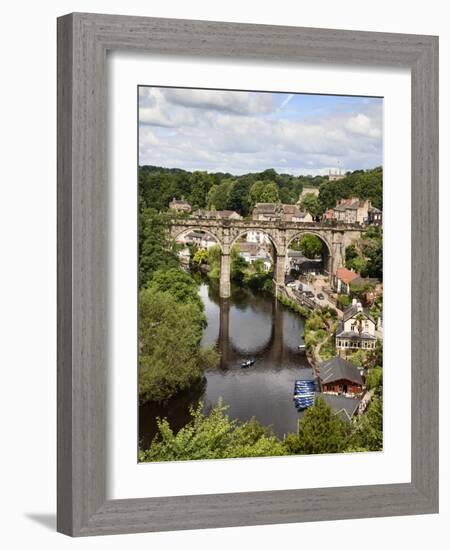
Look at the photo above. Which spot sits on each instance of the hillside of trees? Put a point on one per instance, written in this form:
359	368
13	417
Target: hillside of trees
223	191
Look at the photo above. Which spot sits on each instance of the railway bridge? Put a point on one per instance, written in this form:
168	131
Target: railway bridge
227	233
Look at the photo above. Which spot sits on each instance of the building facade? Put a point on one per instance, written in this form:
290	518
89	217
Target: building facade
342	278
180	205
340	377
357	329
272	211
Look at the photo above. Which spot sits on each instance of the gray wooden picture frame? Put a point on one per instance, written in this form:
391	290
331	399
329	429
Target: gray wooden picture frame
83	41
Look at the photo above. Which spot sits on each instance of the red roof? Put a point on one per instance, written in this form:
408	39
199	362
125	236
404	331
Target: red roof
345	275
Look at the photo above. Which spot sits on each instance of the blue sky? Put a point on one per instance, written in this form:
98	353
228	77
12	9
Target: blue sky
240	132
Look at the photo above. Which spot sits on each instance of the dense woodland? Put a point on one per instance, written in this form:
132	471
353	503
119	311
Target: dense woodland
219	191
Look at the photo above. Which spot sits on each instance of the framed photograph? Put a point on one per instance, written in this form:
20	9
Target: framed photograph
247	274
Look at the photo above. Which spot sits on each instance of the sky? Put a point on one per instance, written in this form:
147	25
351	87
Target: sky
241	132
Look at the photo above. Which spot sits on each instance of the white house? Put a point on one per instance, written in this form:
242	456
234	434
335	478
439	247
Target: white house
356	330
258	237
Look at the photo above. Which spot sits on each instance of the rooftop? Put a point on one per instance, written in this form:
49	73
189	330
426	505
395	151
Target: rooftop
339	369
354	309
346	275
345	407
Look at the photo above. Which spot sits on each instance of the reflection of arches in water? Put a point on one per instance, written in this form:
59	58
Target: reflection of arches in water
326	249
273	348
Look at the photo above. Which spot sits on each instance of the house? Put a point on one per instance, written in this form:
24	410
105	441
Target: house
296	260
180	205
258	237
291	213
217	214
200	239
340	377
273	211
342	278
344	407
375	216
266	211
352	210
251	252
356	329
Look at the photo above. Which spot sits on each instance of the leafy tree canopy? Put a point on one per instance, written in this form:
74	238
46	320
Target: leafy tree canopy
311	245
320	432
212	436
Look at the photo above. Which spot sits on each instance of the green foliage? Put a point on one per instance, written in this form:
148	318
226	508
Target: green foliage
155	250
311	245
366	184
374	378
238	266
200	257
179	284
343	301
328	348
170	329
263	191
374	266
367	432
311	204
238	199
303	311
320	432
212	436
358	358
369	260
157	187
218	195
214	259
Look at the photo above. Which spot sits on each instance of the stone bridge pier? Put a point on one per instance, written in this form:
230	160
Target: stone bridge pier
228	232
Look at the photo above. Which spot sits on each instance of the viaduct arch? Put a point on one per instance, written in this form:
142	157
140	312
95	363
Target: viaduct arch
281	234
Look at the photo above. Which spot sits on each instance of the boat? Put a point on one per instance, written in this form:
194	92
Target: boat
301	347
248	363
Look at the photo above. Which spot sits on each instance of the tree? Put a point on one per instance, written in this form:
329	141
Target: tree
374	378
155	250
238	199
368	431
374	266
311	204
311	245
179	284
212	435
320	431
170	359
263	191
200	257
218	195
214	259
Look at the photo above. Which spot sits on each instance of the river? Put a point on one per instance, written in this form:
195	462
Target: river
246	325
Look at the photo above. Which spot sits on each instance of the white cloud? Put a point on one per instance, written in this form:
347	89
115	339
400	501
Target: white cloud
239	132
238	103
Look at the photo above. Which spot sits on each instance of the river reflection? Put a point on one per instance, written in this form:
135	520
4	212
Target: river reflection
245	325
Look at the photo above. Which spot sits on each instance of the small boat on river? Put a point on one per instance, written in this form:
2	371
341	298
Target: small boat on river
247	363
301	347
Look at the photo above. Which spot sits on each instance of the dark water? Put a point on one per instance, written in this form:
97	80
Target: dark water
246	325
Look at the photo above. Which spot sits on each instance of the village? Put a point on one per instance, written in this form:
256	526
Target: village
343	308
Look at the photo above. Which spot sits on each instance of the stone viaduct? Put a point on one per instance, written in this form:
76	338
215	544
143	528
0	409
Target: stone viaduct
227	232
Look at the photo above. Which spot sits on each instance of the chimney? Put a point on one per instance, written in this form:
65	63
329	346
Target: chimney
354	302
359	307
